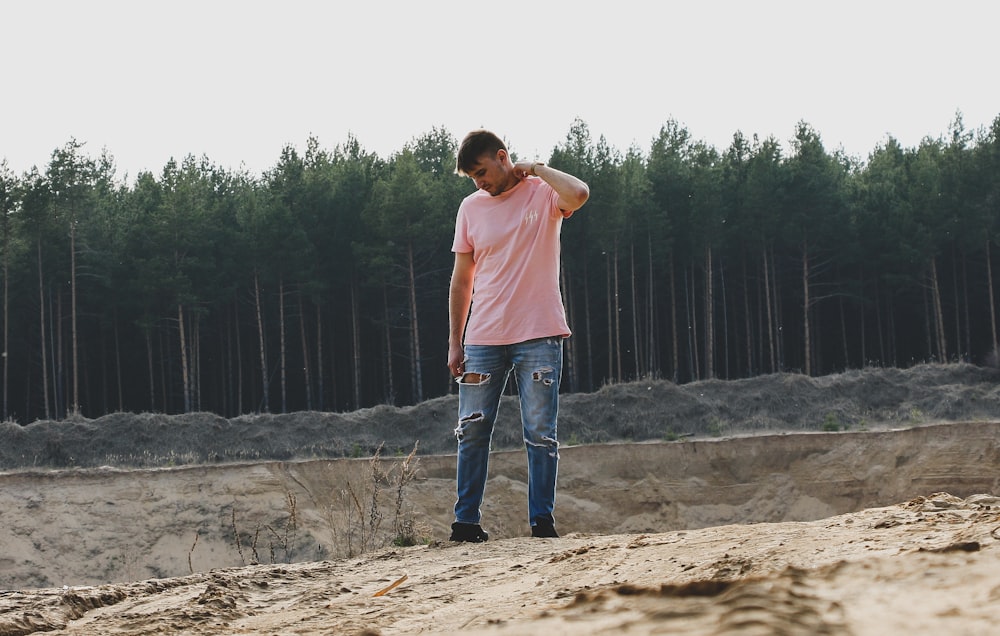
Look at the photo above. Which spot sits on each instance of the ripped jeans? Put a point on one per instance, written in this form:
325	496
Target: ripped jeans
537	367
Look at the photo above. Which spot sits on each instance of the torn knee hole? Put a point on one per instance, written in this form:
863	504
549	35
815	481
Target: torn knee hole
471	377
466	421
544	376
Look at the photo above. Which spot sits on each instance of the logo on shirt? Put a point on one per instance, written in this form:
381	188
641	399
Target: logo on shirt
530	217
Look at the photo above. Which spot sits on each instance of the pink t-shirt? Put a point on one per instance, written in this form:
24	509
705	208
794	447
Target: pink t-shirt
514	241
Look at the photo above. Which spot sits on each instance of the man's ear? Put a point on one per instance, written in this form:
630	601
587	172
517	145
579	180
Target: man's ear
502	156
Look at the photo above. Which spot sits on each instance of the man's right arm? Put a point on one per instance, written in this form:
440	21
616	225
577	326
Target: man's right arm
459	301
572	191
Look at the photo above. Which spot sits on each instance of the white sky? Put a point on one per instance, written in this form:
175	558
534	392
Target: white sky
237	81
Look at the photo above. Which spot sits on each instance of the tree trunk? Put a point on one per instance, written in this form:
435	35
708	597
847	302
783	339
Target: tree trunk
773	311
265	402
59	368
690	296
356	343
152	375
225	368
570	372
41	331
617	316
418	376
636	349
118	364
929	319
306	358
283	353
73	334
993	310
725	323
955	290
390	386
807	343
965	307
751	362
185	375
165	365
771	345
863	331
611	323
938	313
843	332
196	362
893	346
239	356
319	358
692	289
709	316
674	342
878	323
652	360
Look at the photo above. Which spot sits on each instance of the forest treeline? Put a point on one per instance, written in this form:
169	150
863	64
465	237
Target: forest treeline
322	283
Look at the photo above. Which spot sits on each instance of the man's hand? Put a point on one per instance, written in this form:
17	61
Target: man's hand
456	361
523	169
573	192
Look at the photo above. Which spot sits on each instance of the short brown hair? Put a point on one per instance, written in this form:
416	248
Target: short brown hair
476	144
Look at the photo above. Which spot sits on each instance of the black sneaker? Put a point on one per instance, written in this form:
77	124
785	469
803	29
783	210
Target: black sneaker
470	532
544	530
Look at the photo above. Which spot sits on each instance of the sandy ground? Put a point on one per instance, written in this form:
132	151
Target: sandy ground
930	566
891	526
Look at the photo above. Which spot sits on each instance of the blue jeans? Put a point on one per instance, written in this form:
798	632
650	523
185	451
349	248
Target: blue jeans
537	367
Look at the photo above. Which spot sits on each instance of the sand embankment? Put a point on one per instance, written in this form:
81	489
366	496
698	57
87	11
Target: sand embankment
92	526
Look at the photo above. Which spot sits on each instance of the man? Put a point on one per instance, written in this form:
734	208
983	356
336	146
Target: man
507	270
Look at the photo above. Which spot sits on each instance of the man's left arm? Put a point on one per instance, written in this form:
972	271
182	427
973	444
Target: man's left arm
573	192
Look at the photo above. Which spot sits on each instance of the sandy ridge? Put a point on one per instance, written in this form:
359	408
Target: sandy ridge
93	526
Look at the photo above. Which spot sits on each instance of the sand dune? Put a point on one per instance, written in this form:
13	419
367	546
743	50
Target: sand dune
930	565
92	526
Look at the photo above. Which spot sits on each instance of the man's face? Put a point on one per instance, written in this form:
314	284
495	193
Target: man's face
491	173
